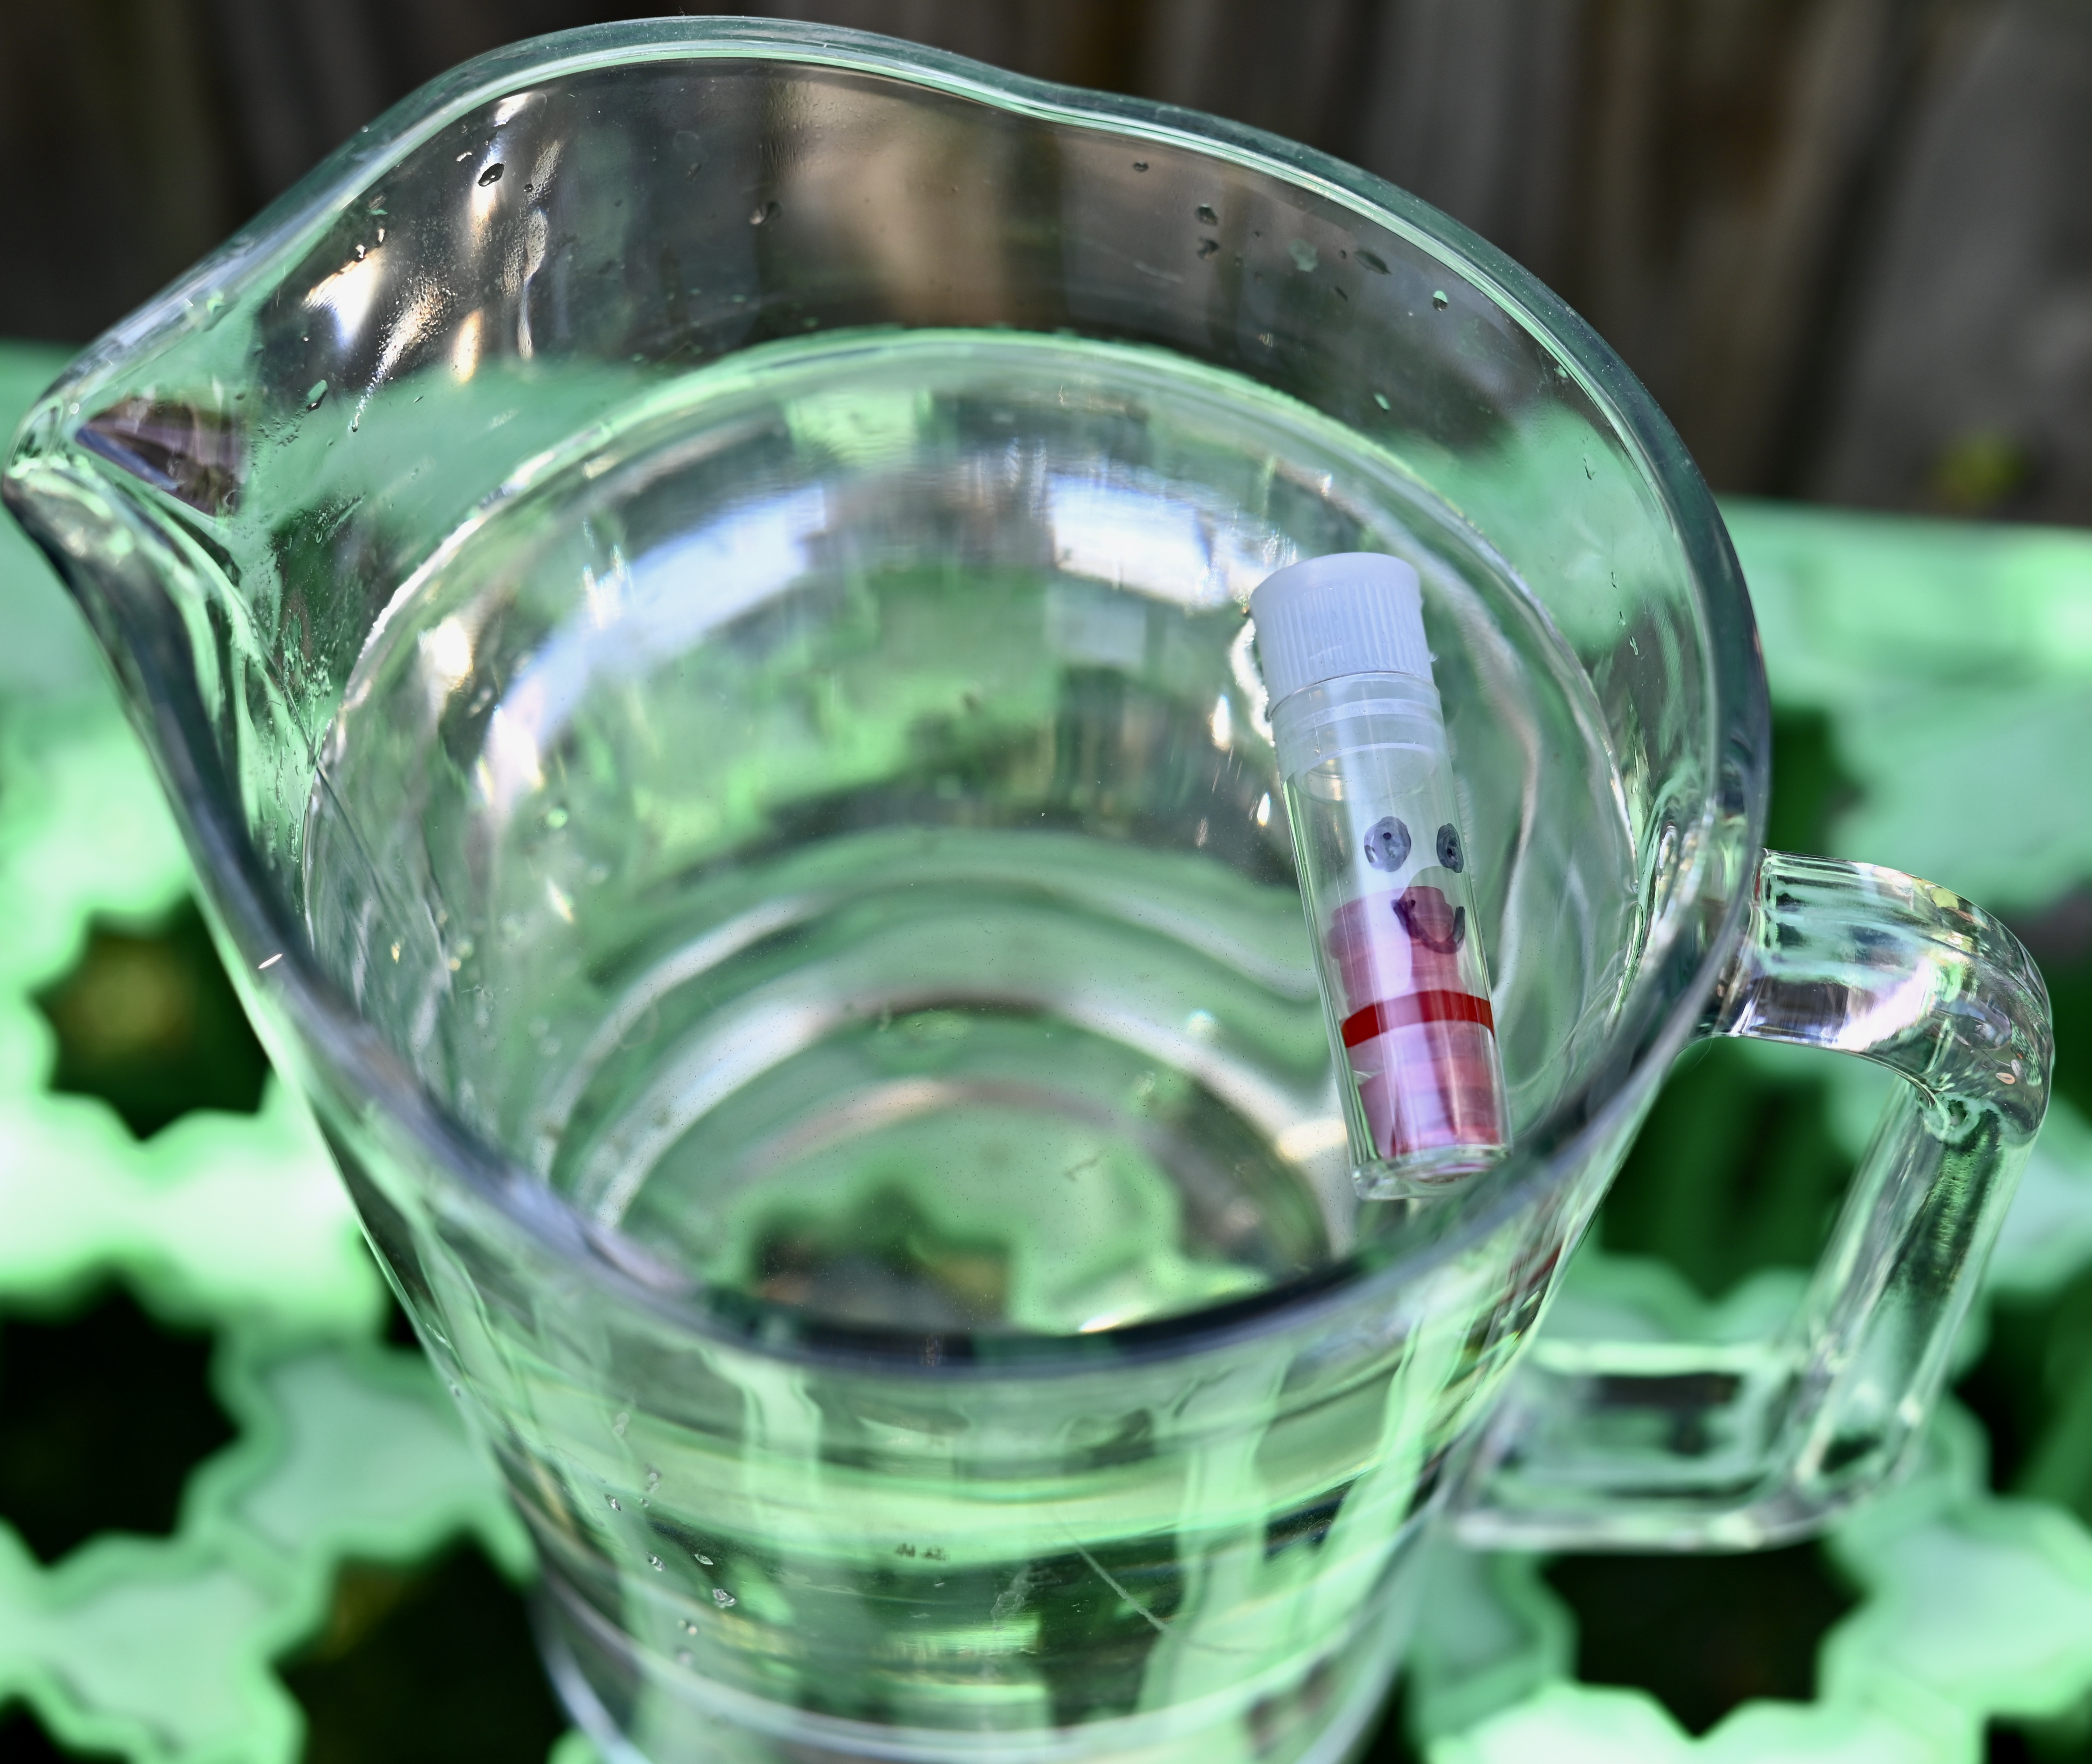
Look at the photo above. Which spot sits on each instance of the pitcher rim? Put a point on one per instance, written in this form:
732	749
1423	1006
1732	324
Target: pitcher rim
1663	1007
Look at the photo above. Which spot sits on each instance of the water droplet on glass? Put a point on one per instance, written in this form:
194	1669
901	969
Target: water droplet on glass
314	397
616	1506
1372	260
723	1599
360	254
702	1557
653	1479
654	1563
624	1420
1440	298
689	1629
555	818
1304	255
768	212
1207	247
1208	214
492	174
1381	399
1140	164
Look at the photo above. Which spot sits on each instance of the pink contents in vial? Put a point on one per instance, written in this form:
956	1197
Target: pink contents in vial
1418	1035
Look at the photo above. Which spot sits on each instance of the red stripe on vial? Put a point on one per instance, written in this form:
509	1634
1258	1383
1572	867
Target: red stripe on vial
1436	1006
1420	1042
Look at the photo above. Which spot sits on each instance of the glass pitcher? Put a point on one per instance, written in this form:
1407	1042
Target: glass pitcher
688	589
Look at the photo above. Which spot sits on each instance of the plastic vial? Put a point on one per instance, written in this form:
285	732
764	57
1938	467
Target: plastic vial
1361	741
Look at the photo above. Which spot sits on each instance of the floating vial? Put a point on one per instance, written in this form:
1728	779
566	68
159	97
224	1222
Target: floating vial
1361	741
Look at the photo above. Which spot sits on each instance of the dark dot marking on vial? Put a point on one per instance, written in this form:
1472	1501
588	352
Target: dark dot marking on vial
1449	848
1388	842
492	174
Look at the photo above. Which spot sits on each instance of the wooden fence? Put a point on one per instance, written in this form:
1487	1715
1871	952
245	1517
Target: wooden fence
1847	243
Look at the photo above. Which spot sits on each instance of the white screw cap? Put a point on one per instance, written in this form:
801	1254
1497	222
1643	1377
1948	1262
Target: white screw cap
1351	612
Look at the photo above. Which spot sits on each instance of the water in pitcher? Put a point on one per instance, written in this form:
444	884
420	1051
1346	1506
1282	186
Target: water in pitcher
824	826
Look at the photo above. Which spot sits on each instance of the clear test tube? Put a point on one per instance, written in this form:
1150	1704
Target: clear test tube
1361	742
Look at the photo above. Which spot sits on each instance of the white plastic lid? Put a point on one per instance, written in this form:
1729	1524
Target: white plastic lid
1352	612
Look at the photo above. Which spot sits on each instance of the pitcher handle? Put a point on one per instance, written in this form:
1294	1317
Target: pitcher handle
1698	1446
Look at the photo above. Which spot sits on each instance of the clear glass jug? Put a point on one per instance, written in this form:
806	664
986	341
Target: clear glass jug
688	591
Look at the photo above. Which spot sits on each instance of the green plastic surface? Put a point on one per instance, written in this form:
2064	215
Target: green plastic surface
1954	665
161	1649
